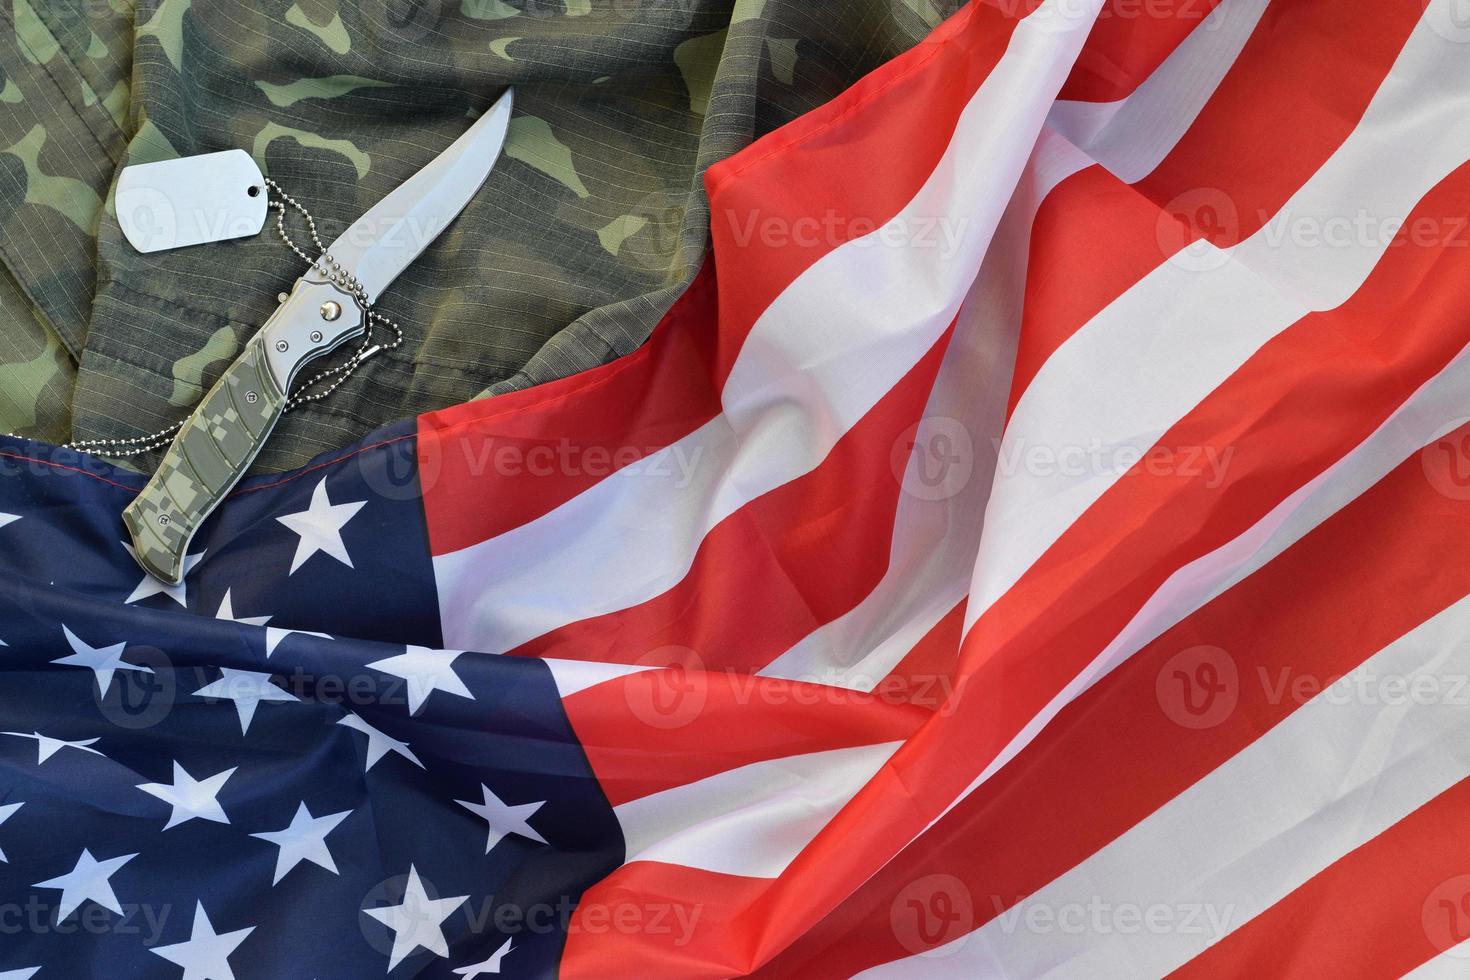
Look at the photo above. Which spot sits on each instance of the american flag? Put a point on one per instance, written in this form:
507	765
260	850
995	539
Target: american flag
1031	548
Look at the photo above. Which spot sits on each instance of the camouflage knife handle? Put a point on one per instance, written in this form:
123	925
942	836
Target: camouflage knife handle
207	458
221	439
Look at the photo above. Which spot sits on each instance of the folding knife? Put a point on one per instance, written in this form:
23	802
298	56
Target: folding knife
218	442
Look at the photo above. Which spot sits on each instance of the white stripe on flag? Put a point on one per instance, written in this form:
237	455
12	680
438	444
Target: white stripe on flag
936	531
572	676
815	362
1435	410
1452	964
1201	314
753	820
932	554
1132	136
1332	775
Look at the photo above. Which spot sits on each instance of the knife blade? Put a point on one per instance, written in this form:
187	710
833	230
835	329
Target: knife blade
221	438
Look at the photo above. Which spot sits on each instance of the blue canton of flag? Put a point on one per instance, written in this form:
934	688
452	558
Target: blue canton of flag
222	779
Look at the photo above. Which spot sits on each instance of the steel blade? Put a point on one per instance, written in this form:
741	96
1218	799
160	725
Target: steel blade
392	233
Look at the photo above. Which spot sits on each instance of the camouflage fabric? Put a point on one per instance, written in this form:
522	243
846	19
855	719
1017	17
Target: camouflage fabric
592	223
215	447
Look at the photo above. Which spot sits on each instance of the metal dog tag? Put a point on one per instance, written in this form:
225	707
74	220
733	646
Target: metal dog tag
190	201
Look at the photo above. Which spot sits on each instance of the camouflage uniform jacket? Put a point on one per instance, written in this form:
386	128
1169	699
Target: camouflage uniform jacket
586	231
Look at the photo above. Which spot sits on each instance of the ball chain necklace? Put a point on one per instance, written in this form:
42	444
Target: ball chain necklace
339	276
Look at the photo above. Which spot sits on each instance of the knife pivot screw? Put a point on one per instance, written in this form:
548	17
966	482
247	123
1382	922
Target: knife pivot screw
282	346
331	309
316	336
163	520
251	397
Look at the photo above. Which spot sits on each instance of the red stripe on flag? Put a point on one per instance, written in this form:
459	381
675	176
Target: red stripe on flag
802	554
845	169
1131	39
1292	96
1321	387
700	924
1116	754
613	415
1307	397
1089	207
519	455
926	672
657	729
1380	911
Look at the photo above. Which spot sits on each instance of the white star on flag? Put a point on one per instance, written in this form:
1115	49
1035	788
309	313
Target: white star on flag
46	746
304	840
6	812
206	955
8	519
426	671
378	744
227	611
102	661
87	881
320	527
191	798
492	965
25	973
416	923
275	634
504	819
152	586
247	688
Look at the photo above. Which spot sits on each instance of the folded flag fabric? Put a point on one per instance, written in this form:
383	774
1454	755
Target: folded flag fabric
1034	546
227	796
